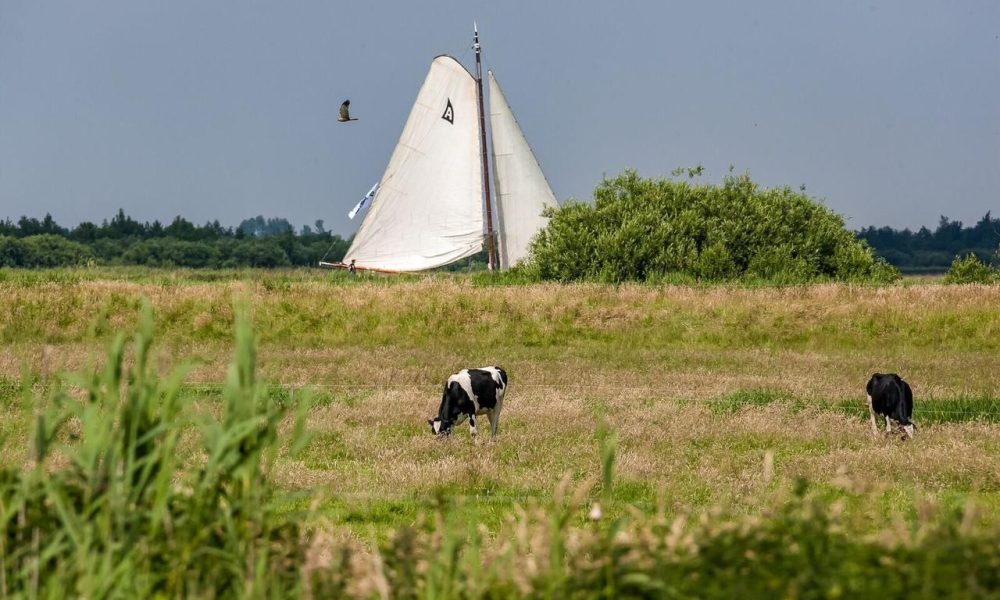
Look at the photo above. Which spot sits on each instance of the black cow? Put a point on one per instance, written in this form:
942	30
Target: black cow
892	398
468	393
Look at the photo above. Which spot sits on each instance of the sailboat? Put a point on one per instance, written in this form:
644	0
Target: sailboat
433	204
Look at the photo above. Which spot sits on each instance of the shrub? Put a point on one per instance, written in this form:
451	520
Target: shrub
170	252
11	251
970	269
641	229
257	253
46	250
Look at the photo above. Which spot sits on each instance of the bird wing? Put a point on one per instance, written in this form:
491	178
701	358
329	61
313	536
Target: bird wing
345	114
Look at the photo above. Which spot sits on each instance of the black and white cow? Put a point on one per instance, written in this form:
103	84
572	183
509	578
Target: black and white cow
892	398
468	393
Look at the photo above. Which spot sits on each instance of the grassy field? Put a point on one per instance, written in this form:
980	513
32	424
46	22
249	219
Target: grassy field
720	396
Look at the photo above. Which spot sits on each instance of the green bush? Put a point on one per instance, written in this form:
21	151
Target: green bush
970	269
170	252
257	253
11	251
649	229
45	250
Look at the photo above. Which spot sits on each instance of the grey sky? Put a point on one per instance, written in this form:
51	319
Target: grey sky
888	111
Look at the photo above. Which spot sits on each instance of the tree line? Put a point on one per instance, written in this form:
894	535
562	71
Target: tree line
933	251
274	242
256	242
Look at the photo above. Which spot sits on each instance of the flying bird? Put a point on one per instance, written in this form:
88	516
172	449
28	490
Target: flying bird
345	114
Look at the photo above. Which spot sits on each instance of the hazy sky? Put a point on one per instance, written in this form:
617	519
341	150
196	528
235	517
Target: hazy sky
887	111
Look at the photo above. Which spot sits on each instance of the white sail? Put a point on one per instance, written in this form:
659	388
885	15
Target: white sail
522	192
428	210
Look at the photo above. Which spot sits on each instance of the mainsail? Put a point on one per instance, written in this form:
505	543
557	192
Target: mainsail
428	208
522	192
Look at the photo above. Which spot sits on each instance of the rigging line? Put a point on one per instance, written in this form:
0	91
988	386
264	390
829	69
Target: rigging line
328	250
464	54
467	47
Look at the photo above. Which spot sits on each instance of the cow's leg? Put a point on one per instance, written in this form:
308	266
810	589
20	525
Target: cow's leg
888	424
494	416
909	430
472	426
871	413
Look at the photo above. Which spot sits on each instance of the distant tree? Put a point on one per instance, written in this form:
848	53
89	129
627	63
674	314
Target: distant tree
85	232
215	230
181	229
253	227
279	226
122	226
948	234
986	232
935	251
47	225
261	227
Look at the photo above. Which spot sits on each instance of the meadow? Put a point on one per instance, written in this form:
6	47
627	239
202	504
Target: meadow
718	397
698	382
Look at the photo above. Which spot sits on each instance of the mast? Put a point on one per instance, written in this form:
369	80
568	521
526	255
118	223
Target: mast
490	241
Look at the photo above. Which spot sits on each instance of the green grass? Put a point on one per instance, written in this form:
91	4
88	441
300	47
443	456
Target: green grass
657	403
374	351
962	409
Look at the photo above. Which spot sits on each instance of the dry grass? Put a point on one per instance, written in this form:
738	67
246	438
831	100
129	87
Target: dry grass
685	453
649	361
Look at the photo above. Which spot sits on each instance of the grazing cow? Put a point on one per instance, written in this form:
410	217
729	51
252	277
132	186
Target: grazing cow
892	398
468	393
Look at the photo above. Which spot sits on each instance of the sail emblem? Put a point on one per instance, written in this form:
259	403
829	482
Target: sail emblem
449	113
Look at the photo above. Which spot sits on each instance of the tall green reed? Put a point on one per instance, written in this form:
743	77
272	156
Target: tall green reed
108	506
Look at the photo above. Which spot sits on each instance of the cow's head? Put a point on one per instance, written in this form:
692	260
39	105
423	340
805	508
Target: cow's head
438	426
876	378
882	379
448	411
